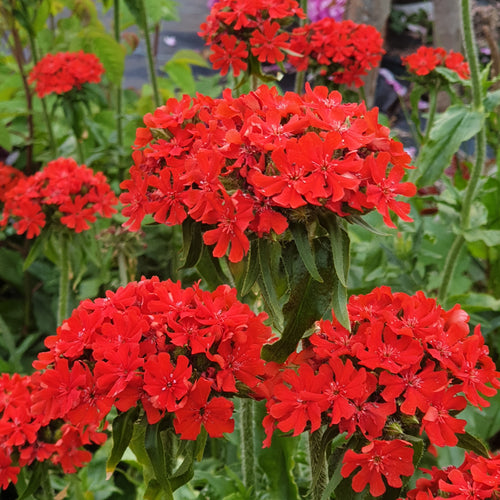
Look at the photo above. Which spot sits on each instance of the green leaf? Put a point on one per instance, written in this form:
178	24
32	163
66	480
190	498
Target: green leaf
186	56
450	75
153	444
308	300
491	101
358	220
192	247
301	239
490	237
40	469
11	267
5	141
339	303
122	429
210	270
251	270
340	242
182	75
456	125
266	284
472	443
106	48
35	251
135	7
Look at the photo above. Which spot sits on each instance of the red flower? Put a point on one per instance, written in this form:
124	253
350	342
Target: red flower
377	460
73	190
229	54
196	410
267	45
64	71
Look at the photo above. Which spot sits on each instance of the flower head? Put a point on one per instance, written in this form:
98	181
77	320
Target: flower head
59	73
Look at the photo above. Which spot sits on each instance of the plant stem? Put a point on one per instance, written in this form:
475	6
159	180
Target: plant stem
151	64
118	90
319	474
62	308
17	52
300	76
475	174
48	123
247	423
122	268
432	113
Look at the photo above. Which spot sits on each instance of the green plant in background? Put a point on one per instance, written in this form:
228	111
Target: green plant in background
277	196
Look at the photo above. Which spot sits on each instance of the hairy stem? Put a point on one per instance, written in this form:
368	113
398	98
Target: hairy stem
149	50
62	307
118	90
319	474
247	423
475	174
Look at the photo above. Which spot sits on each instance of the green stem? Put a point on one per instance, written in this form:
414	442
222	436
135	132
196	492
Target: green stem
118	90
62	308
48	122
79	150
151	64
317	461
475	174
247	425
122	269
300	76
432	113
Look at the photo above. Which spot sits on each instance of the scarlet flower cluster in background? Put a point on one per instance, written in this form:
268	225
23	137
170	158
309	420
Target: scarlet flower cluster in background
427	59
63	191
238	30
59	73
341	51
243	165
151	343
9	176
478	477
405	369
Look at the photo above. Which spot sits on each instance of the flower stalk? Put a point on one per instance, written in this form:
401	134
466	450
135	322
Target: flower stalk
319	474
475	174
62	307
247	426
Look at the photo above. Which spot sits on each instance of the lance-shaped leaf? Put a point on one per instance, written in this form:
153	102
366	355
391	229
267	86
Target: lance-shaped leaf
308	300
192	244
301	238
456	125
122	430
153	443
209	268
340	242
472	443
266	283
251	270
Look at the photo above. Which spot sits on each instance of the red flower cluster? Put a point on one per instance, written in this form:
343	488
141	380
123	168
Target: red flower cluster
153	343
64	71
241	30
242	165
427	59
339	51
406	366
9	176
21	423
63	191
477	477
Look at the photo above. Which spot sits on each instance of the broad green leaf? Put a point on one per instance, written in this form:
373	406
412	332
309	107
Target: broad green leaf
301	239
122	430
492	101
451	76
135	7
187	56
308	299
476	302
472	443
5	141
182	75
106	48
456	125
490	237
161	10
